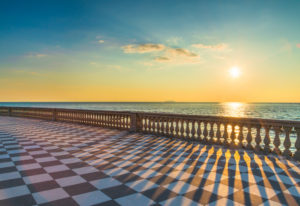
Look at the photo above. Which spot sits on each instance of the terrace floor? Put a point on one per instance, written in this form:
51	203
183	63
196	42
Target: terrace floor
54	163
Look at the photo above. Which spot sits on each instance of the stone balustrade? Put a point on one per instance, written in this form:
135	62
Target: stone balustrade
267	136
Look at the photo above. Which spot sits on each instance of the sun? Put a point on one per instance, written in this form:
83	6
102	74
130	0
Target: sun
235	72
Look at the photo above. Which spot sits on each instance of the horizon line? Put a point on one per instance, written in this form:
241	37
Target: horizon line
145	102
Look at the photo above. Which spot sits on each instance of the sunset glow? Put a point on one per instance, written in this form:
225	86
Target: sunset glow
136	51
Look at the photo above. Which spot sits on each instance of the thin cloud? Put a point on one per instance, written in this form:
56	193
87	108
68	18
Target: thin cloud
100	41
181	52
167	54
162	59
218	47
143	48
36	55
178	56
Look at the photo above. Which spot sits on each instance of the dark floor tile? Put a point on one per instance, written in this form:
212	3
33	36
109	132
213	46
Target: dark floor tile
246	198
164	169
129	177
41	186
105	166
50	163
11	183
159	194
94	176
108	203
202	196
61	174
7	169
23	162
77	165
67	156
134	168
32	172
162	179
62	202
286	199
26	200
118	191
79	189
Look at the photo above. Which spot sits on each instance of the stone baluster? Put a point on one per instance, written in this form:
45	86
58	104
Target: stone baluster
199	130
146	124
113	118
167	127
172	128
211	133
150	124
232	136
249	138
297	145
205	133
193	130
258	139
119	121
154	125
108	120
188	130
287	142
267	139
158	125
182	129
218	134
277	141
225	135
162	126
240	136
177	128
123	121
116	120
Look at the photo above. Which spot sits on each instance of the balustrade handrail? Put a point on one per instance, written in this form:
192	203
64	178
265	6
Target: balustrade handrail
244	120
235	132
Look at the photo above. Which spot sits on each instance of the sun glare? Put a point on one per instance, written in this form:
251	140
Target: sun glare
234	72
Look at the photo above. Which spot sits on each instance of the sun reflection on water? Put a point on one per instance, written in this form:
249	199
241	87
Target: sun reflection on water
234	109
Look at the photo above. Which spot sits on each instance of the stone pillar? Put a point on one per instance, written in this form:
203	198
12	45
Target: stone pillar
133	122
297	145
53	114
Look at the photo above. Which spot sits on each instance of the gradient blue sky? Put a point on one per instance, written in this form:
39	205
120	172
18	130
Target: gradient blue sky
149	50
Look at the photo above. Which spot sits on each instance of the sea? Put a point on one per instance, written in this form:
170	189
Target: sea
281	111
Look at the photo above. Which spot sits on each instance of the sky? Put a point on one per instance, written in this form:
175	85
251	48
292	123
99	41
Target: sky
155	50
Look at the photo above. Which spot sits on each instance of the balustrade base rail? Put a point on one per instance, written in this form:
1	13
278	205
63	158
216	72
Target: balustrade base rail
269	136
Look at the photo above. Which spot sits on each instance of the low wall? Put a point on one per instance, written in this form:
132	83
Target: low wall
267	136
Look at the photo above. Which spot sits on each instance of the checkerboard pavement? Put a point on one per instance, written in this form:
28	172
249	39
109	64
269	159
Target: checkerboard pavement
55	163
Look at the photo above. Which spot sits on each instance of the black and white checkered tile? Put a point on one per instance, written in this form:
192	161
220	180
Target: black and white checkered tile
54	163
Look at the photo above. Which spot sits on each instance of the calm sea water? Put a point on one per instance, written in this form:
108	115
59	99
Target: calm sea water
288	111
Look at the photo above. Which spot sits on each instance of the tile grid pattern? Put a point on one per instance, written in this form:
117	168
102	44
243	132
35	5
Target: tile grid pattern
51	163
